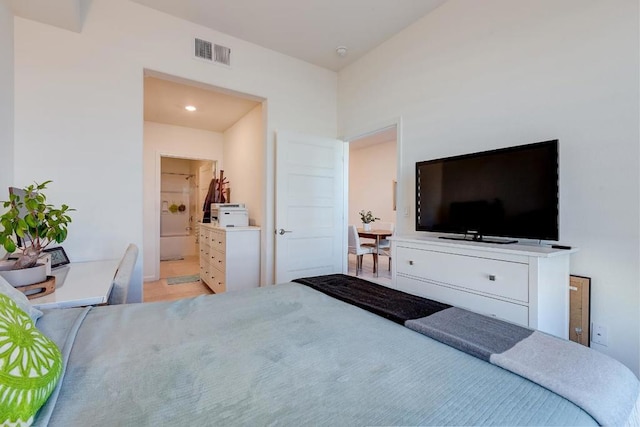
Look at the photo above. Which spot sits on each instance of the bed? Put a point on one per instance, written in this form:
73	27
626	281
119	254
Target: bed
288	354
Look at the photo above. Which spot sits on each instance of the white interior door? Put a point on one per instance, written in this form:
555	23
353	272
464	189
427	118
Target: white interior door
310	225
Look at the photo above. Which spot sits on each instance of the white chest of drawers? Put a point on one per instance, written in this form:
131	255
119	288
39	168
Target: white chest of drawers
528	285
229	257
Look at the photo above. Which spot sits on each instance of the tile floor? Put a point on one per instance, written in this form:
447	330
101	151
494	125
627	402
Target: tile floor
160	291
384	276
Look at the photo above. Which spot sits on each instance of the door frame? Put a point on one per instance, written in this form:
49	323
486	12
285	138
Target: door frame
362	132
267	227
158	200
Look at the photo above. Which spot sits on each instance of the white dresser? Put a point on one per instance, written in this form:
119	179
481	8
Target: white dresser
229	257
524	284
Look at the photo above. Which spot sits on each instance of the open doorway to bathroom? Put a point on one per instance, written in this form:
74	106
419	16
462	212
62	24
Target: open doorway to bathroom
184	184
183	187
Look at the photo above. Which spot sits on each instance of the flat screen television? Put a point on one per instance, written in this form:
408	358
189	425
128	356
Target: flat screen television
510	192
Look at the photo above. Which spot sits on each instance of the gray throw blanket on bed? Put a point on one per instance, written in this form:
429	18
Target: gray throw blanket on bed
600	385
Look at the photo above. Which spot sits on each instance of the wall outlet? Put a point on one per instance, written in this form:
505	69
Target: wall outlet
405	211
599	334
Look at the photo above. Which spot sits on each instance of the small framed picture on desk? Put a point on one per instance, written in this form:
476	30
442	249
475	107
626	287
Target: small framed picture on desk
58	256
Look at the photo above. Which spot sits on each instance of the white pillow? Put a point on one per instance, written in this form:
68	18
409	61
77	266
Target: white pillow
20	299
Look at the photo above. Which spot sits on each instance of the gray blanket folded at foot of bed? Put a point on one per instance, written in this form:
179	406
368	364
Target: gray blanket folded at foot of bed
600	385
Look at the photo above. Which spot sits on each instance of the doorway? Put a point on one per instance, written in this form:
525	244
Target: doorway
372	179
182	184
183	187
183	148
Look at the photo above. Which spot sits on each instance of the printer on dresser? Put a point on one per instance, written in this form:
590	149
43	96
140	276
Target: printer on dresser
229	215
229	257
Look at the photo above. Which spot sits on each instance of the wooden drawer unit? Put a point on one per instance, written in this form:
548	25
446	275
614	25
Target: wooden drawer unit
524	284
216	282
217	239
217	259
229	257
502	279
203	234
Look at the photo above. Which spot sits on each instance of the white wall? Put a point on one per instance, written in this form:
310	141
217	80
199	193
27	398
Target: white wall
168	140
244	163
6	99
79	104
482	75
372	170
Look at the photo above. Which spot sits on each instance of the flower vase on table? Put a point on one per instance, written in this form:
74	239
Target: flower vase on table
367	218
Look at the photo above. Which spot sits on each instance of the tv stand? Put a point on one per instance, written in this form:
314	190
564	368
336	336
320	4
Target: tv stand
480	238
524	284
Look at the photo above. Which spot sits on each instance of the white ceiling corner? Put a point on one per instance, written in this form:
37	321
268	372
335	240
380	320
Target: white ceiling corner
66	14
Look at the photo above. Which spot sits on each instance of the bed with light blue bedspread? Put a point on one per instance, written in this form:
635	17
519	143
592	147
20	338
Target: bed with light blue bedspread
279	355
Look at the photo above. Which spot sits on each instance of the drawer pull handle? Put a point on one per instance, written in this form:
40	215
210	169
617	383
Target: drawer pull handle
410	262
492	277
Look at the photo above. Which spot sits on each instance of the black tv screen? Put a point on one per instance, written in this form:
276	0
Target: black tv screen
509	192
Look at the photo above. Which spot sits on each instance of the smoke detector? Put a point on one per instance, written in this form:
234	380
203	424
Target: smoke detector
341	51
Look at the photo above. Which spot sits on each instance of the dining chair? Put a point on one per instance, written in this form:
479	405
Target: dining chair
122	278
384	248
358	249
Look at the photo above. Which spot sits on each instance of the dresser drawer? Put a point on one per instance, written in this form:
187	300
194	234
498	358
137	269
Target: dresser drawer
217	284
217	259
504	279
511	312
205	272
217	240
204	235
204	253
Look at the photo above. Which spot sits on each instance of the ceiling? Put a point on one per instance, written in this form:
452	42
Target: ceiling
164	102
67	14
310	30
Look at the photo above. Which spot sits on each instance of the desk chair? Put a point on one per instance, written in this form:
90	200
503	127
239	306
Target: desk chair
356	248
122	278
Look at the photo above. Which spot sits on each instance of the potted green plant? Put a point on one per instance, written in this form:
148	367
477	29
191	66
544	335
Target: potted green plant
37	224
367	218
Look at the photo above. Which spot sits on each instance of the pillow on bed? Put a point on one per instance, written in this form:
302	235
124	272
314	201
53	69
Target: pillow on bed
19	298
30	365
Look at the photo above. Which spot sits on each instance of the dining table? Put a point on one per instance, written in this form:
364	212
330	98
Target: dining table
377	235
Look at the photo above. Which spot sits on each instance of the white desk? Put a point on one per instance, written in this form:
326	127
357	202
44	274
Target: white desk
79	284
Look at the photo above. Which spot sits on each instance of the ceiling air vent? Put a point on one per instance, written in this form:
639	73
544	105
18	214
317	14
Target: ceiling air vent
203	49
210	52
221	54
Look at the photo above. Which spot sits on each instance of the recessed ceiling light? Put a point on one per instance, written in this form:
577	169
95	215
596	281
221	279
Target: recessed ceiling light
190	108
